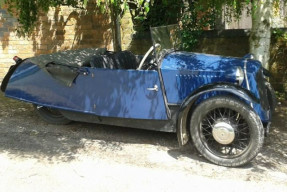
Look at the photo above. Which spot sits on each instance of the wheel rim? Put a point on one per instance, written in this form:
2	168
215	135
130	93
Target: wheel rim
224	132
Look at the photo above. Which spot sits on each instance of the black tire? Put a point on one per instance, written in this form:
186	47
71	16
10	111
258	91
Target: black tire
50	115
271	96
248	134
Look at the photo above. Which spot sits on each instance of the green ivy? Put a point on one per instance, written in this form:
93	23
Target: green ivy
280	34
194	20
28	11
185	13
194	15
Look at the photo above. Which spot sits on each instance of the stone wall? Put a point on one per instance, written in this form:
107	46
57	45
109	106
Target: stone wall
61	29
232	42
228	42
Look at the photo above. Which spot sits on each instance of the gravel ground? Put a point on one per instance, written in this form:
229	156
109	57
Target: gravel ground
35	156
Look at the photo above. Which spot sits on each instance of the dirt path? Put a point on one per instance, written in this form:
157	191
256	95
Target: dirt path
35	156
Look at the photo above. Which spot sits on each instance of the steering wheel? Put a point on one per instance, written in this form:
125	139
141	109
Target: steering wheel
146	55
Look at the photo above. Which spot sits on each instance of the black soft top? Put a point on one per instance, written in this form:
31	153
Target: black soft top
74	58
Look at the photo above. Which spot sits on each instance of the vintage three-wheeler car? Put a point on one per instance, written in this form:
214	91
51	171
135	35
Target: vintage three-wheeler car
223	104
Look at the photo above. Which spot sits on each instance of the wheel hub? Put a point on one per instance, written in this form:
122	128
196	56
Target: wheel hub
223	132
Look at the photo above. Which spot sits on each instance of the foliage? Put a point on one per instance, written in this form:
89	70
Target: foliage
193	15
280	34
194	20
28	11
164	12
281	96
202	15
139	7
197	15
161	12
278	65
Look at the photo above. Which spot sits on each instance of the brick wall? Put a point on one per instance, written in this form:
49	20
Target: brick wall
61	29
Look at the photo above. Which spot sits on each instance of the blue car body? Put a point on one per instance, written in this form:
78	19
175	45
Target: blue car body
120	93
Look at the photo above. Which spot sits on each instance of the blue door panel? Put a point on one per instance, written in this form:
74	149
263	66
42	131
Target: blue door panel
103	92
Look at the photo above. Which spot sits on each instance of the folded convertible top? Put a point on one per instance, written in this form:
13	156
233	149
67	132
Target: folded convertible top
71	57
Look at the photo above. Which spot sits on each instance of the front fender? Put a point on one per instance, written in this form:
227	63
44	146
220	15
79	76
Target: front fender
188	103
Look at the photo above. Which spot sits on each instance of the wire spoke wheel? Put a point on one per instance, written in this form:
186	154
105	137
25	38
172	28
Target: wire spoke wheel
226	131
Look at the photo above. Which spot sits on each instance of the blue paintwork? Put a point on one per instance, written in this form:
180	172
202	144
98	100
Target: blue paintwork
183	73
124	94
103	92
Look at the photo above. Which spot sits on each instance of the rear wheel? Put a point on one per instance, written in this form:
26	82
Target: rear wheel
226	131
50	115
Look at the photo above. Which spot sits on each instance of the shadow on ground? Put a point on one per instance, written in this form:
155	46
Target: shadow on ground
274	151
23	134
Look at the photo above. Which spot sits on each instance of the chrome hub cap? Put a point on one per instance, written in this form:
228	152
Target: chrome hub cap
223	132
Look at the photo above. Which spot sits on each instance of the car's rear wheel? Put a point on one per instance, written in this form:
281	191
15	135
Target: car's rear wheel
50	115
226	131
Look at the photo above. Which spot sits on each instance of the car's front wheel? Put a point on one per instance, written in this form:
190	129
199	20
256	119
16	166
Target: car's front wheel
50	115
226	131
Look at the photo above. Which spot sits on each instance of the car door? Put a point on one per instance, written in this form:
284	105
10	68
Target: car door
133	94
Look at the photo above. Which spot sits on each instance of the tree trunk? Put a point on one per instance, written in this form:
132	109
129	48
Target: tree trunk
116	27
260	37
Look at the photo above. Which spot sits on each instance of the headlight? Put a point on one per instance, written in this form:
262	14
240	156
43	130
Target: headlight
239	75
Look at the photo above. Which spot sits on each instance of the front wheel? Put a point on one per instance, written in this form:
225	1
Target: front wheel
50	115
226	131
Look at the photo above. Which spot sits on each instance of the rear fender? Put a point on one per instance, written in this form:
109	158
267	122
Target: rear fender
9	74
185	108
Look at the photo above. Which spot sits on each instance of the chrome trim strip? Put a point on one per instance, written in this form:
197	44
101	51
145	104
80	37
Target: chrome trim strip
173	104
246	78
164	93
